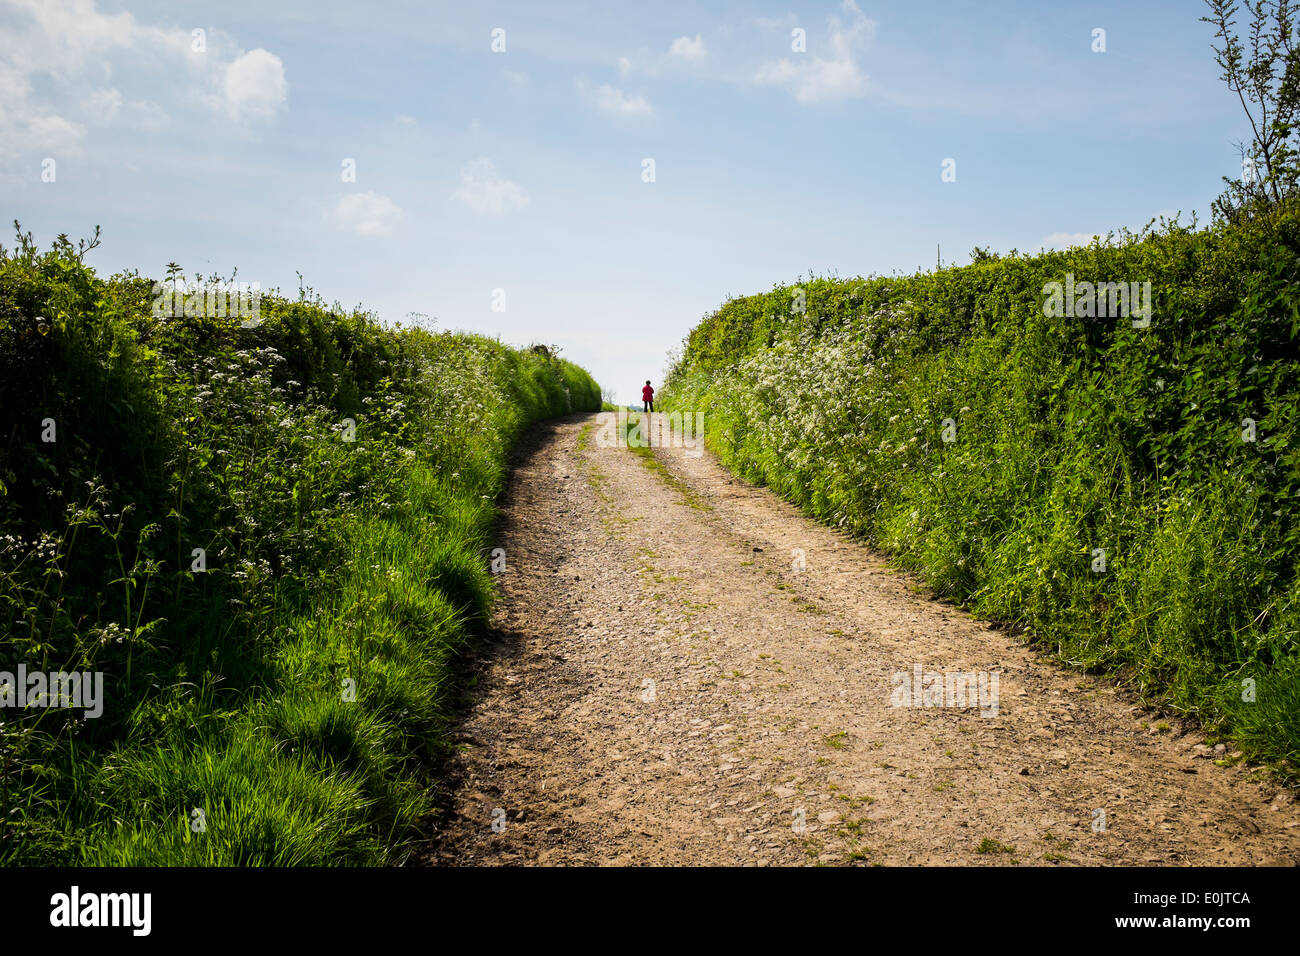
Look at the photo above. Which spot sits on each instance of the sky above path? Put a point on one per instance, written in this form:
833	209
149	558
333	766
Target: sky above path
598	176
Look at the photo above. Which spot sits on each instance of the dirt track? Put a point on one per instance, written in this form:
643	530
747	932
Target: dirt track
664	688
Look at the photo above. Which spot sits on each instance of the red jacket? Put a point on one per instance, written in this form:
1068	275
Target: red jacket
647	394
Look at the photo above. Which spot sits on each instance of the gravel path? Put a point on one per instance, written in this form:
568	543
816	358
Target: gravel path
663	687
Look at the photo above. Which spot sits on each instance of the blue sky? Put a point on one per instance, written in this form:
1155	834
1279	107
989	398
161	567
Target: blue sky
522	170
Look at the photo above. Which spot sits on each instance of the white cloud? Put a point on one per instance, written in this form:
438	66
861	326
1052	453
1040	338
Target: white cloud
624	66
405	121
105	104
816	81
367	214
145	114
254	86
813	78
688	48
611	99
1064	240
57	61
64	38
784	23
47	133
484	190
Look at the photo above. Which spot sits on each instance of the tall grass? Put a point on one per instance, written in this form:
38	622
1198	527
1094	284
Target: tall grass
1099	490
284	705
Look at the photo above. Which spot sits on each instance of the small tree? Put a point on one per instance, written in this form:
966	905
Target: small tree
1264	71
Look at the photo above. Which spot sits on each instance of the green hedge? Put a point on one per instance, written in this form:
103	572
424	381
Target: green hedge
295	692
1072	436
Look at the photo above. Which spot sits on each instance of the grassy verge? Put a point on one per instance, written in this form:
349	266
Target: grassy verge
270	540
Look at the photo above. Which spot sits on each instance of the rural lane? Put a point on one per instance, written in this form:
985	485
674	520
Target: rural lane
661	686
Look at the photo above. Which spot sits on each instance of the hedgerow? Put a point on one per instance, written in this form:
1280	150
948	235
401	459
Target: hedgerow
271	538
1124	493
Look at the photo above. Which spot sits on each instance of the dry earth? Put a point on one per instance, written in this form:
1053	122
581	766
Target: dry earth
662	687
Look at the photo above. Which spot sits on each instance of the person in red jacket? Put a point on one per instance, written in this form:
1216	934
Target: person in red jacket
648	397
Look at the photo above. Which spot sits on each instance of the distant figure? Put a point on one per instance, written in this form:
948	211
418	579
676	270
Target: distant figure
648	397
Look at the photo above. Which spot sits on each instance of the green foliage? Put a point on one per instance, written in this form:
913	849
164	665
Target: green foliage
295	691
1263	71
1072	436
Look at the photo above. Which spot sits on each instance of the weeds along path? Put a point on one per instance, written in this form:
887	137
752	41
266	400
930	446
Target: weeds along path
664	688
